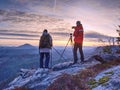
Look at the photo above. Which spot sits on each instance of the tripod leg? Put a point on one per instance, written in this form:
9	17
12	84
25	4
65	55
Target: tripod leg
58	52
64	49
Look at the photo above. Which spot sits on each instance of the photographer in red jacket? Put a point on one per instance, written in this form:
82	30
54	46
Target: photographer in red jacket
78	41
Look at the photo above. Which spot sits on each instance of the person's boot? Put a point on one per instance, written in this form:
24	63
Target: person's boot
74	62
82	61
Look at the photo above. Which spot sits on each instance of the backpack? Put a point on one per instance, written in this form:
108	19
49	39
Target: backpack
45	41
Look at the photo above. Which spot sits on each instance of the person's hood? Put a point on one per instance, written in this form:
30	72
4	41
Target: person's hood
45	33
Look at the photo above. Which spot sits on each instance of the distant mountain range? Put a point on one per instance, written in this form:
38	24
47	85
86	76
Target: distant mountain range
26	46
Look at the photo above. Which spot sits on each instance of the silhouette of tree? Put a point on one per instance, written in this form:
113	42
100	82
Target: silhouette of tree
118	38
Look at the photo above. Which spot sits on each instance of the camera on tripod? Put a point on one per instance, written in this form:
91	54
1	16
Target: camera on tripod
70	34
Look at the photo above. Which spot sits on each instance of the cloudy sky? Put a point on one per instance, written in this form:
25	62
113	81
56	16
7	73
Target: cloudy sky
99	18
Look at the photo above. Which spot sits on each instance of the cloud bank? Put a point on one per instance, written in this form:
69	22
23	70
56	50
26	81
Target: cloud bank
28	18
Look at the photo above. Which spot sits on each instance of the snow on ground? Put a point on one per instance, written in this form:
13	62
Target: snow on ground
41	78
108	53
114	79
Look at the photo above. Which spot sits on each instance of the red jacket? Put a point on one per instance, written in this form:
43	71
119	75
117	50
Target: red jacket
78	34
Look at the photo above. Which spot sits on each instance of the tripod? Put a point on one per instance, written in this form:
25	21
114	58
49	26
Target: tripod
71	42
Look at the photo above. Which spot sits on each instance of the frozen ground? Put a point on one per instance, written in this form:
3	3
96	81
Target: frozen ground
41	78
12	59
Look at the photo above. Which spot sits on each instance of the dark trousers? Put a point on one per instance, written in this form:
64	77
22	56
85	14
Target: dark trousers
47	58
76	47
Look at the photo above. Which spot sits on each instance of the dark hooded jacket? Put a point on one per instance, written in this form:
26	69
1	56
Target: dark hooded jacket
45	41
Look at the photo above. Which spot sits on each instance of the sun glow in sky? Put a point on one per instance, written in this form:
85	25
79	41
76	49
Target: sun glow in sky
22	21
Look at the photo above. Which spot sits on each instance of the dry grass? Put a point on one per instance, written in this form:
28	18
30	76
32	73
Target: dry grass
21	88
79	81
64	82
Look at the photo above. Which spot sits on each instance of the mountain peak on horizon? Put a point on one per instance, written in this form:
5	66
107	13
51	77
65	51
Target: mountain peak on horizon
26	45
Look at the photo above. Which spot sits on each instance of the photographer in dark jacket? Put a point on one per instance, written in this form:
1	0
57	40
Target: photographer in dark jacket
45	45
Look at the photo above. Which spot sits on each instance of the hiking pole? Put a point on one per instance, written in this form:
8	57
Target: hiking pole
39	57
51	59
